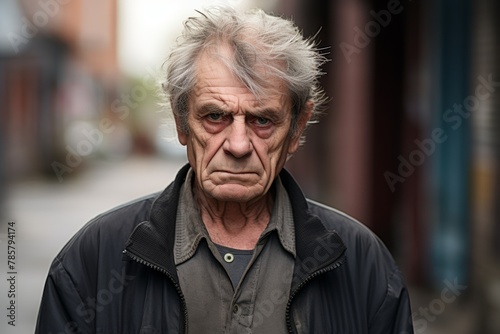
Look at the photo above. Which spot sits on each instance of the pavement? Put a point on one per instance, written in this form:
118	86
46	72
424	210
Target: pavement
47	213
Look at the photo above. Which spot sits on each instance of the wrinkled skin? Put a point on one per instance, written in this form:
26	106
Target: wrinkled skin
236	145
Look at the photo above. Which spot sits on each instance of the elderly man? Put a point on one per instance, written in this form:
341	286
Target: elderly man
232	245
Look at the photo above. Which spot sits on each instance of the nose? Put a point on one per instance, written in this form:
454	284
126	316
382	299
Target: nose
238	142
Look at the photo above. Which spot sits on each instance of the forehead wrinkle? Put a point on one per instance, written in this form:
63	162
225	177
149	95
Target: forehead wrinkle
224	53
238	97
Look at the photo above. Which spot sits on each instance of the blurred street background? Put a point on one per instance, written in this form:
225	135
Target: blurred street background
47	214
409	144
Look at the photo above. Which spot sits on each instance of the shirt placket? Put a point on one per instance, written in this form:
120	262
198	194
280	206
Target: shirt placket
241	313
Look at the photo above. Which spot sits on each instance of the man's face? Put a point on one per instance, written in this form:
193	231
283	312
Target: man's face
236	144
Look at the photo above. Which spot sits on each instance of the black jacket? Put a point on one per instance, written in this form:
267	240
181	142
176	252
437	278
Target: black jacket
117	274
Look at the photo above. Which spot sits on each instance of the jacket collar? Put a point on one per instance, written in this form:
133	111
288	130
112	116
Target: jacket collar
316	247
153	240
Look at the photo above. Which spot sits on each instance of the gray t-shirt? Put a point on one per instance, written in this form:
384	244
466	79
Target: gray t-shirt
235	262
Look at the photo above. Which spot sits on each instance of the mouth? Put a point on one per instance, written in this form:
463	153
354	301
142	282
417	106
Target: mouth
234	172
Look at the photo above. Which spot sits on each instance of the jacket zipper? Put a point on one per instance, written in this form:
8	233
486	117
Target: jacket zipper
301	285
163	271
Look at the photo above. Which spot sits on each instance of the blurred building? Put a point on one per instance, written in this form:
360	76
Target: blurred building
410	143
58	65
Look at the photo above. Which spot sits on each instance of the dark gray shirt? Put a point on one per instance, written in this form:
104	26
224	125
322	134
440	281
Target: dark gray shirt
235	262
255	304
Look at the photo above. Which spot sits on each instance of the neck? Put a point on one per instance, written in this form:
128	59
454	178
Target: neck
234	224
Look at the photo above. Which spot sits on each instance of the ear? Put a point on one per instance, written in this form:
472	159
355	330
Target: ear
304	117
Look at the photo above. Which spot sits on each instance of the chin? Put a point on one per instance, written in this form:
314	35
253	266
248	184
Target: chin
235	193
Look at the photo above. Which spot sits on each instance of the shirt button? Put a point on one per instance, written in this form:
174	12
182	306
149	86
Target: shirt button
235	308
228	257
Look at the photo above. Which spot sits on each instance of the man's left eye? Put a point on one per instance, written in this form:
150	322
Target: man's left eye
215	117
262	121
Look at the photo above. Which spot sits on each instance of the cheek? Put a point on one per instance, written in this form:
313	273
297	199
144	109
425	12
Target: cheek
272	153
264	133
204	148
191	154
195	148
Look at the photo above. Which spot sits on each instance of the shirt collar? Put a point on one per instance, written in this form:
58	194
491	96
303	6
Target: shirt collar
190	229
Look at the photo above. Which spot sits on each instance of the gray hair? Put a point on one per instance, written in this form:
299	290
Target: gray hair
259	41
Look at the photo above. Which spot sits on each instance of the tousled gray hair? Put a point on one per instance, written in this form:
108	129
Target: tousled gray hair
260	43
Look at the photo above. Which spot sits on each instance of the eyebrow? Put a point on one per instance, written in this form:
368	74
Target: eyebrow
275	115
212	108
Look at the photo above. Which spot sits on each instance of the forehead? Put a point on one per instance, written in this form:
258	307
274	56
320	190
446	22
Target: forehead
217	76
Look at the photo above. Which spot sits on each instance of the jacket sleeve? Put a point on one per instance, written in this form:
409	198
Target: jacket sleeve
394	314
62	309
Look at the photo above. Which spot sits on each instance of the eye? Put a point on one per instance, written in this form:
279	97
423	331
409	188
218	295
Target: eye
262	121
215	117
